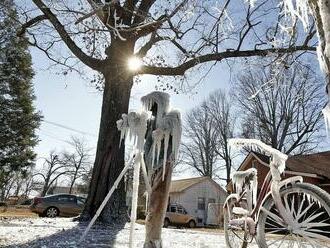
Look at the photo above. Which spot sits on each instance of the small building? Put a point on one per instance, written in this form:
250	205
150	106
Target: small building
196	195
314	168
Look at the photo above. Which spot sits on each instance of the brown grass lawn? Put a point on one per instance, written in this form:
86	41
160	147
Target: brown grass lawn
20	212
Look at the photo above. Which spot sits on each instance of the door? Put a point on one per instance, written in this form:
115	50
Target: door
201	210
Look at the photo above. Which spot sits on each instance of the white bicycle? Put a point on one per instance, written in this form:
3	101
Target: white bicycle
286	213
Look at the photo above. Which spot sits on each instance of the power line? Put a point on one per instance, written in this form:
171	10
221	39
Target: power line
69	128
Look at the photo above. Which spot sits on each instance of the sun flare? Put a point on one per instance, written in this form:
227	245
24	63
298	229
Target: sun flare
134	63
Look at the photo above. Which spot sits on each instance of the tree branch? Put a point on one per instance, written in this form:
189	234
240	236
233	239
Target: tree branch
30	23
87	60
181	69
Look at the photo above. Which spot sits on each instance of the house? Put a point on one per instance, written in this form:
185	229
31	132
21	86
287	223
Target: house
314	168
195	194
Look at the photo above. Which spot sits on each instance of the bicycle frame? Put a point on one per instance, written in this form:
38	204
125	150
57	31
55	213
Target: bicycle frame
270	188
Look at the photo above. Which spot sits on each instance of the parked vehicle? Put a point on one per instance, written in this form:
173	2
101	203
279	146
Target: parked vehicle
178	216
58	205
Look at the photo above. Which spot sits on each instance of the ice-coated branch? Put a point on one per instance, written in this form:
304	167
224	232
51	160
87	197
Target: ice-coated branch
277	158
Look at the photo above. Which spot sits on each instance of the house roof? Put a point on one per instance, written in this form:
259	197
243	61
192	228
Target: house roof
317	163
178	186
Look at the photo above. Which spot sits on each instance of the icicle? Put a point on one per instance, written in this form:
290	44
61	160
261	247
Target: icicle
255	190
162	99
326	112
136	182
157	137
166	141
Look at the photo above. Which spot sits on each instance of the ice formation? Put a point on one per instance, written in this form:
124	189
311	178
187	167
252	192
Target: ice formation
162	100
134	126
277	158
239	179
326	112
168	123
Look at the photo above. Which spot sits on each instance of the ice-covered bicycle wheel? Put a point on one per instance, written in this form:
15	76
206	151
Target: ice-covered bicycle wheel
234	236
309	207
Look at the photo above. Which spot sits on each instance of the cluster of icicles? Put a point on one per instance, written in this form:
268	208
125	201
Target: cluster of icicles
134	126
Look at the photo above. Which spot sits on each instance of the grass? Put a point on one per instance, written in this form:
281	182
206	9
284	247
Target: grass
20	212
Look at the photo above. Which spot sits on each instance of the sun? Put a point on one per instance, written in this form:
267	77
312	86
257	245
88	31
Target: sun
134	63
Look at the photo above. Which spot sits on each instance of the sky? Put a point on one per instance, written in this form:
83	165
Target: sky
70	102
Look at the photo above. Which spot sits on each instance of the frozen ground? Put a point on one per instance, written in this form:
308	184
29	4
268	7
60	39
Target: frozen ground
63	232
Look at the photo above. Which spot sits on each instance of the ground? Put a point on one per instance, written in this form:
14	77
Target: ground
64	232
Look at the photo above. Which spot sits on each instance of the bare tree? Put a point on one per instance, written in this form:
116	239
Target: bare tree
53	168
200	141
281	106
224	117
207	130
103	35
78	161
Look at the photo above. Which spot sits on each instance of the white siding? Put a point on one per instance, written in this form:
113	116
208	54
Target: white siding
189	198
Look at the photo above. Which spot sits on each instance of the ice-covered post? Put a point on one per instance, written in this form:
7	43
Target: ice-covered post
161	149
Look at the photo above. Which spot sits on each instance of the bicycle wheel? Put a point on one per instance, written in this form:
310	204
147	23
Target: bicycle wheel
235	237
309	207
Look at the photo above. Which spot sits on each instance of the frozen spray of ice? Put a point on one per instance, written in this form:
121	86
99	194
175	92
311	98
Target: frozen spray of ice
134	126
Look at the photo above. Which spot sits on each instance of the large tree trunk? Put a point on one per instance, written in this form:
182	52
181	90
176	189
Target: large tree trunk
157	207
109	160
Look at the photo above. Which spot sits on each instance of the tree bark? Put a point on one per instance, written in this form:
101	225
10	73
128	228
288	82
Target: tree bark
157	207
109	160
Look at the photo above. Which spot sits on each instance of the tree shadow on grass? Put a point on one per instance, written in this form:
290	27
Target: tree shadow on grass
100	235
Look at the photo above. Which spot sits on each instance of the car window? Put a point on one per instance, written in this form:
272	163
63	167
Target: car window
80	200
66	198
173	209
180	210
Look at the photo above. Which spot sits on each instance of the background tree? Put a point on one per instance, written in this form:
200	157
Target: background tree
200	141
281	106
78	161
18	117
224	116
53	169
207	130
105	34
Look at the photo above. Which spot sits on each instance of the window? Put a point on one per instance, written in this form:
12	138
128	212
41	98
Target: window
66	199
173	209
199	220
81	201
201	203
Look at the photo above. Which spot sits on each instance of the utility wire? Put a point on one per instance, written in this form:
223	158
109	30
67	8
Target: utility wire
69	128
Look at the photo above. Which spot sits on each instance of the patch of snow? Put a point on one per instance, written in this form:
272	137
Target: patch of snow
64	233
